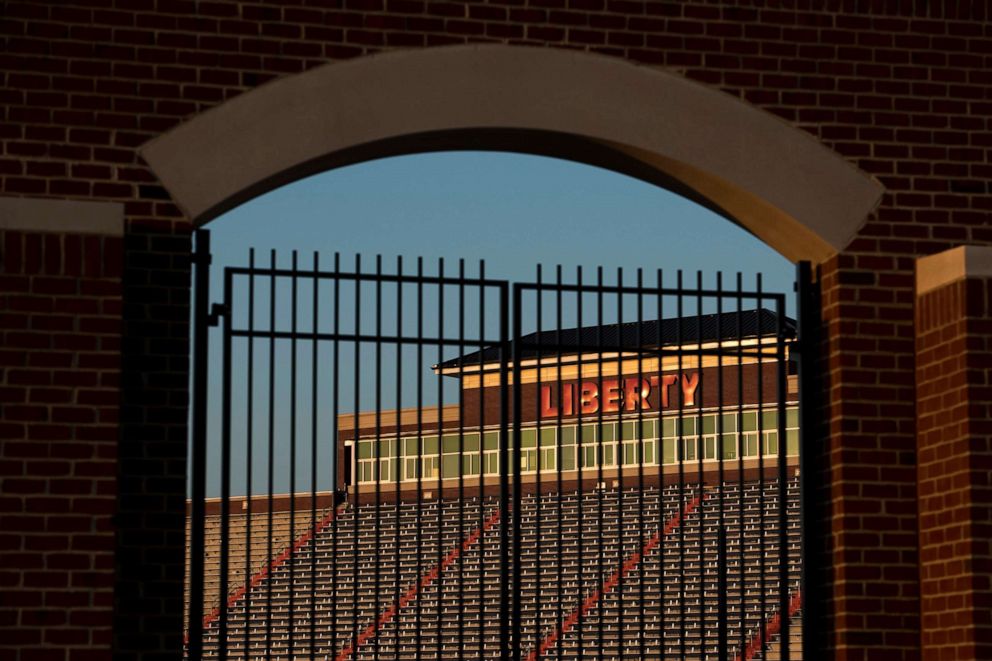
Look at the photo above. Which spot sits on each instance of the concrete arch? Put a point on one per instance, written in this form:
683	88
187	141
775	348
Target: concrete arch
773	179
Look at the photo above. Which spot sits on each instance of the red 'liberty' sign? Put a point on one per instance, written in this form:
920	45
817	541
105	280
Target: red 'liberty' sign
615	395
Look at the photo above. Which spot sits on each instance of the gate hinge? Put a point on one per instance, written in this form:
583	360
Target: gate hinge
201	259
217	310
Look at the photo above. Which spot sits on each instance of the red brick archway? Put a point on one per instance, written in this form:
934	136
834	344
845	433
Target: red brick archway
96	272
787	189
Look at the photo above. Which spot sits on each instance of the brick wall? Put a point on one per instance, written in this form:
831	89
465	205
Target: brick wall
60	333
955	469
905	97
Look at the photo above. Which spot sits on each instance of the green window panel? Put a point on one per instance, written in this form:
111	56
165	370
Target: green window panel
490	462
470	464
709	447
709	424
609	431
449	466
728	446
387	447
410	448
567	435
649	452
769	420
751	443
430	445
549	437
365	449
689	447
528	438
628	431
568	458
792	418
792	442
668	428
668	450
471	443
750	421
449	444
771	443
388	470
588	434
687	426
528	460
490	440
729	422
549	459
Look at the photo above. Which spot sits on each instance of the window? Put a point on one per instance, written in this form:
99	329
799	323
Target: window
490	463
668	451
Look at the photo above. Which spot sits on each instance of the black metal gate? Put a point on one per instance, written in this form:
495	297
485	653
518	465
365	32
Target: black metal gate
383	468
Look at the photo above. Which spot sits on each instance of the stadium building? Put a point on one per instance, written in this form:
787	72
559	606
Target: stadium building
655	507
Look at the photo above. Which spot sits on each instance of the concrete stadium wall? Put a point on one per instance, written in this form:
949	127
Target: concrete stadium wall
904	97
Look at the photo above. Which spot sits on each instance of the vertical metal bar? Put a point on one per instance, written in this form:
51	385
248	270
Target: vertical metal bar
481	631
810	471
741	644
580	452
225	469
198	450
763	588
639	436
781	388
701	456
356	434
721	557
560	454
271	443
338	449
420	453
660	454
399	454
376	553
461	455
313	458
505	641
292	453
439	551
601	447
539	295
681	457
601	453
618	439
515	513
249	443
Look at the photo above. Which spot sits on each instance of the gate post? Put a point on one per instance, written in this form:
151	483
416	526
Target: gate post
201	305
812	463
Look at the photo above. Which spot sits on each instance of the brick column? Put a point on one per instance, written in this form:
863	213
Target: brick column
954	432
60	333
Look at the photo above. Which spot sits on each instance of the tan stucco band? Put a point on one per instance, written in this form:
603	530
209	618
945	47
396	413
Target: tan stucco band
944	268
70	216
773	179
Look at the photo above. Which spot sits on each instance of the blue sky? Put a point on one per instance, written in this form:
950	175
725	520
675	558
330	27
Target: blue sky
514	211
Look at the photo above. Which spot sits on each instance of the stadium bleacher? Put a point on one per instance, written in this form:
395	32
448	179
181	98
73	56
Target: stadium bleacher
626	590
